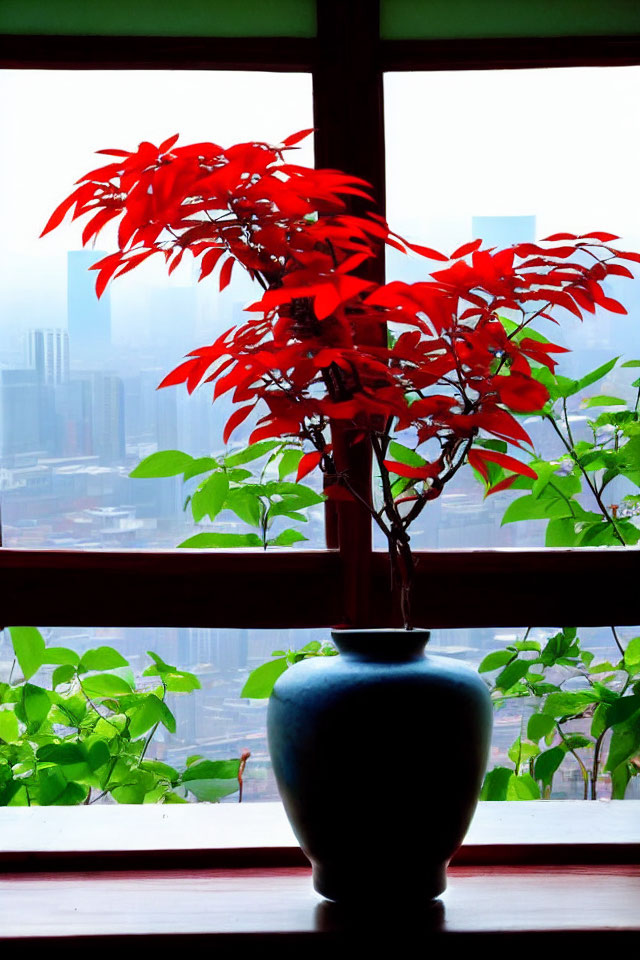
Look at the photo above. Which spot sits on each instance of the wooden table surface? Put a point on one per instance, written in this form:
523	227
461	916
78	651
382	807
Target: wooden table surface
233	906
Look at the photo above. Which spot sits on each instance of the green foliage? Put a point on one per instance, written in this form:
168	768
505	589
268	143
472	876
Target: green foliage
229	487
260	681
606	712
87	737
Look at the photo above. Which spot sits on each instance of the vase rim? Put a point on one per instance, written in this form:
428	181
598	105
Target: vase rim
386	643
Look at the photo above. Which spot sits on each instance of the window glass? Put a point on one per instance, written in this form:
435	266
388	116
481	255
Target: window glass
191	18
511	156
215	722
78	404
415	19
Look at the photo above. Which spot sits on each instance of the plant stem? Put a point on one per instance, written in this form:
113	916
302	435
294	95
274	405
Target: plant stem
583	769
617	640
596	765
569	448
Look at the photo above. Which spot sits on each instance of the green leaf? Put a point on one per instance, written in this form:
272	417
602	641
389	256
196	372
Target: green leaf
102	658
9	728
167	718
212	770
512	673
180	682
403	454
61	655
632	655
209	498
162	770
595	375
289	463
261	680
496	783
165	463
547	764
620	778
64	754
63	674
495	660
211	791
539	726
522	787
561	533
287	538
225	541
105	685
535	508
568	704
35	705
28	646
144	716
246	503
253	452
52	783
198	466
603	401
622	710
631	363
575	741
159	666
98	754
625	743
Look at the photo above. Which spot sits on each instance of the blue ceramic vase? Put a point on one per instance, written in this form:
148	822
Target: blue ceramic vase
379	756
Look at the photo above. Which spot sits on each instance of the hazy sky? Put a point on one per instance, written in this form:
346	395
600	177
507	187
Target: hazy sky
560	144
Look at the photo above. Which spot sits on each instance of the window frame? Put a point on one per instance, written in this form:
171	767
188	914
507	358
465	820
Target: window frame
348	582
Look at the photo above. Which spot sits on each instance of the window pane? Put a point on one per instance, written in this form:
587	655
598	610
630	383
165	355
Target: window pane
78	404
513	156
163	18
413	19
216	723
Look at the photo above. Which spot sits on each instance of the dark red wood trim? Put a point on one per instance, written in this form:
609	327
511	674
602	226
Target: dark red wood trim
285	54
172	588
454	588
516	588
509	53
349	122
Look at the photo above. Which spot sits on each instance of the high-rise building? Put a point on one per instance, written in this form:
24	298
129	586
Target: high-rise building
48	354
89	319
108	417
20	414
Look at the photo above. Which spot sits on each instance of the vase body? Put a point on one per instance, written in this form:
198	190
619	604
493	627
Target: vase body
379	755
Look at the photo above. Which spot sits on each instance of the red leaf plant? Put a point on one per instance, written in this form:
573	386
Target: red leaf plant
308	358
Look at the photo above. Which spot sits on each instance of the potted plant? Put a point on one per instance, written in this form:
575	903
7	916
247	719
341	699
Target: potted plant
354	738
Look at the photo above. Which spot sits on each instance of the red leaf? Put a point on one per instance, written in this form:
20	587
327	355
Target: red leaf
502	485
235	419
599	235
179	375
225	273
560	236
279	427
479	457
465	249
426	472
308	463
626	255
95	225
296	137
167	144
427	252
209	261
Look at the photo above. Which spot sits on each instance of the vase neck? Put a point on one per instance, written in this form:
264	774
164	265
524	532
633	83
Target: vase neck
386	645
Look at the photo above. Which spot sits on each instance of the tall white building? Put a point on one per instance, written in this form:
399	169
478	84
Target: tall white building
48	355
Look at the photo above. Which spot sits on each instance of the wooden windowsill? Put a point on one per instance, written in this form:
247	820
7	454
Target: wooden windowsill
259	835
555	874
